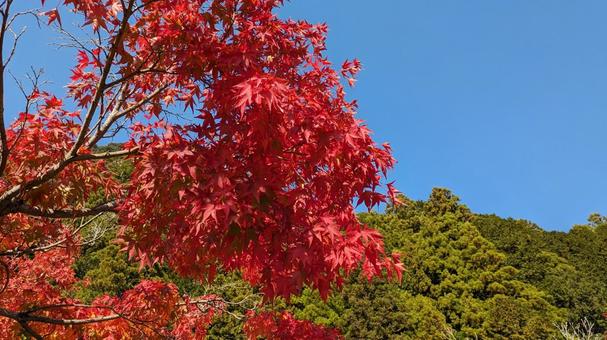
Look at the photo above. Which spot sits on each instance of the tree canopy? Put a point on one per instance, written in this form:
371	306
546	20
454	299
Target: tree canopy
244	156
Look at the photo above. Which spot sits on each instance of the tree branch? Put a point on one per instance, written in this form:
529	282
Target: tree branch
32	250
30	331
20	317
65	213
101	85
108	154
117	114
6	199
4	150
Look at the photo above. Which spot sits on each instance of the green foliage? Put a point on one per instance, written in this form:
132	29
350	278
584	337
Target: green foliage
377	310
449	261
103	267
120	167
106	271
571	267
240	296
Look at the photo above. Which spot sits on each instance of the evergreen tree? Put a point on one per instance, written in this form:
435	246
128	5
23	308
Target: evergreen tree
570	266
449	261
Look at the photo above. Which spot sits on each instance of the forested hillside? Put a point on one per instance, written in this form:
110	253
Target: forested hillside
571	267
467	276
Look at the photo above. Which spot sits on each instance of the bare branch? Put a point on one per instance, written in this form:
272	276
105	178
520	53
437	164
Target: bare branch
16	38
35	79
108	155
4	150
117	114
31	12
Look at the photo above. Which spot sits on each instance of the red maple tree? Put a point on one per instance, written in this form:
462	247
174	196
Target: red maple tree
257	173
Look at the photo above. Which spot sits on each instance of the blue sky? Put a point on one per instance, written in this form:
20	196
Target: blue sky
504	102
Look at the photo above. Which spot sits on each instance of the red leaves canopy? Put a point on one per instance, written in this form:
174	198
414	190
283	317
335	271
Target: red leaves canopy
258	175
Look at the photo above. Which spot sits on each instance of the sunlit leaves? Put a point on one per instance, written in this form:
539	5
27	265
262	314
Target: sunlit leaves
257	175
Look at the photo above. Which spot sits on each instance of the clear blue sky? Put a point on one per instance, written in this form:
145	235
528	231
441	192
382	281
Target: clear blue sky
504	102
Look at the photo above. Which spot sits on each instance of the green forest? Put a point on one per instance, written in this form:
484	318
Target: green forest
468	276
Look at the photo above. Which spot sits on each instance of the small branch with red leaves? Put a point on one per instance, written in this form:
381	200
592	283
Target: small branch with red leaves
101	84
25	318
65	213
6	207
34	249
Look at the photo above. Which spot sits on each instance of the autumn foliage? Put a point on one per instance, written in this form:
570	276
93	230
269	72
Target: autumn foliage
284	326
247	158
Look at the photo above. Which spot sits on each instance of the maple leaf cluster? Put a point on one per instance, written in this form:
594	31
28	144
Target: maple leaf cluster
283	326
257	173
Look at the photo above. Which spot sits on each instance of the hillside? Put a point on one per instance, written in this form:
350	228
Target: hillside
467	276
